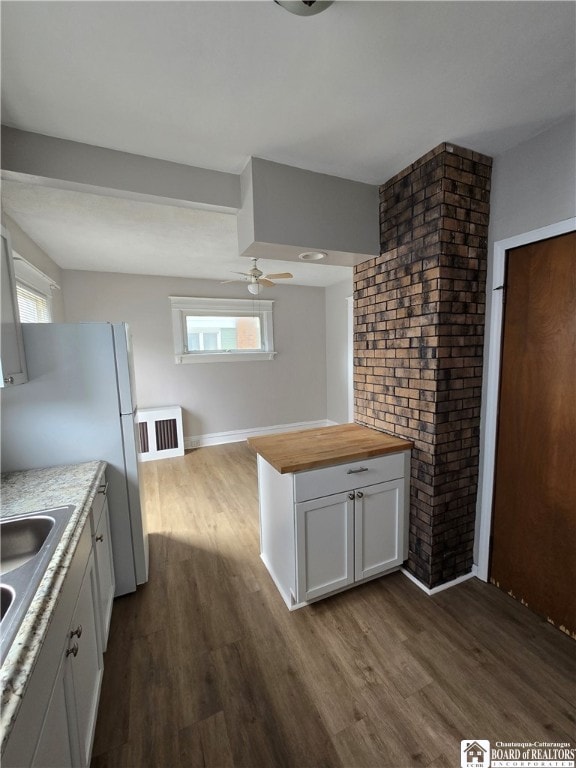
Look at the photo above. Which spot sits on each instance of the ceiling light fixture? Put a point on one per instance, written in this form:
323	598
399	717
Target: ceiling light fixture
254	288
312	256
304	7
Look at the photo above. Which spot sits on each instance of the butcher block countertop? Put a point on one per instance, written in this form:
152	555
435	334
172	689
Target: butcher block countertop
325	446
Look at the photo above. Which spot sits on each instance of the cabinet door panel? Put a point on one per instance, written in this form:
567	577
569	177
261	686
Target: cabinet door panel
12	362
105	570
324	546
53	749
379	528
85	666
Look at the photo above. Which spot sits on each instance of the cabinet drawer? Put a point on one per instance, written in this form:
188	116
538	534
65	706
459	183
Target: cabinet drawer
345	477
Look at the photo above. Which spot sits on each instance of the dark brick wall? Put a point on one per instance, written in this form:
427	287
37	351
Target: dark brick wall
418	338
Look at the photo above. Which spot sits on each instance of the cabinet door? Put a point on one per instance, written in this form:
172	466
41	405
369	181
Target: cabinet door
84	660
105	569
12	359
324	545
379	528
53	749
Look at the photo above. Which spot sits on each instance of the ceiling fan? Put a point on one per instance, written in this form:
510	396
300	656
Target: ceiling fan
256	279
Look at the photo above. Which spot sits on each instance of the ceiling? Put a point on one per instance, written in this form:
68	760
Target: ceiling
359	91
109	234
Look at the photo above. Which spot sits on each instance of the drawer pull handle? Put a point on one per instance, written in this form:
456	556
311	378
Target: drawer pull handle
357	471
100	538
72	651
103	488
77	632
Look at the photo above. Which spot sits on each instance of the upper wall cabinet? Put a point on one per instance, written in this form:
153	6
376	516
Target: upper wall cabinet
12	359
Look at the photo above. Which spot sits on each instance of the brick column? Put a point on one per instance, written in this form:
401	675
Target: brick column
418	338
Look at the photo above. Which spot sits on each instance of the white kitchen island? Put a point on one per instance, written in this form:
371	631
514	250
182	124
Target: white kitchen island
334	508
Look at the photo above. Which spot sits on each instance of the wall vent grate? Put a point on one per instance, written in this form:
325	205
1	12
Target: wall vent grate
160	432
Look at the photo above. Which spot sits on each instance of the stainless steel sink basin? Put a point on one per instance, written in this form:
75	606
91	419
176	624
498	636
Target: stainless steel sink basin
21	540
6	598
27	544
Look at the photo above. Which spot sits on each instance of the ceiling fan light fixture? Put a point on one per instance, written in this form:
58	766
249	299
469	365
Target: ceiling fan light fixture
254	288
312	256
304	7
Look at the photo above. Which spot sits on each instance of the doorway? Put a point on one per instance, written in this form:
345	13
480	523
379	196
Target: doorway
534	511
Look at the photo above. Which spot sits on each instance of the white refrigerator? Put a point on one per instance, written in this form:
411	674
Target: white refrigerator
79	405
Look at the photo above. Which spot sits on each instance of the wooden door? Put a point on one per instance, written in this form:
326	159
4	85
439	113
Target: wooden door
379	528
324	545
534	519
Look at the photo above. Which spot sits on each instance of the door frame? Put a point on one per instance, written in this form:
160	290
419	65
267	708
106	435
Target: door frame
491	387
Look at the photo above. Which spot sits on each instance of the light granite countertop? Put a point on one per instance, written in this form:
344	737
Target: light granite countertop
23	493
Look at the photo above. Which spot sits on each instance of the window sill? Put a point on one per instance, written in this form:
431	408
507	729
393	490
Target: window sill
225	357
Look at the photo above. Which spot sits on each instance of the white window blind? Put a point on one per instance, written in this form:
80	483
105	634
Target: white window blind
32	305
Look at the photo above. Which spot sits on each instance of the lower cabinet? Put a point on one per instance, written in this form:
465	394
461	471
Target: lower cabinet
68	728
83	657
57	718
322	530
104	562
348	537
53	749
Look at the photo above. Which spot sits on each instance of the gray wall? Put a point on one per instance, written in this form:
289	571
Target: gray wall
533	186
216	397
27	248
337	350
73	165
307	210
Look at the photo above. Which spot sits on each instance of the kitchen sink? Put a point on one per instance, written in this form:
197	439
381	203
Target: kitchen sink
27	544
6	598
22	540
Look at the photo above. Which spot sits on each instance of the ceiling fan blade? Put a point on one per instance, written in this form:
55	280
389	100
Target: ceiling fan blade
223	282
265	281
244	274
280	276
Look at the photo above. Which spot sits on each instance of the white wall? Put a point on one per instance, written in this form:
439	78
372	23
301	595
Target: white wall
27	248
533	186
216	397
337	350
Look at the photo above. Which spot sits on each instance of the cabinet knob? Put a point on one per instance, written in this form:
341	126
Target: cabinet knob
9	380
351	496
76	632
359	495
72	651
100	538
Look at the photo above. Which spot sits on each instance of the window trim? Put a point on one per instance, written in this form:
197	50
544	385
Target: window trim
187	305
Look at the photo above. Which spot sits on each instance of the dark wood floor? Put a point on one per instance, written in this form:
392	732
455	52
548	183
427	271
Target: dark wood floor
206	666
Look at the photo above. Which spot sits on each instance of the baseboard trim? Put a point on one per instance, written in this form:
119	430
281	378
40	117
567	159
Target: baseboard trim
440	587
239	435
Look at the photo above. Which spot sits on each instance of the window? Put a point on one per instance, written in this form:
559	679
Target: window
33	292
33	306
221	330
